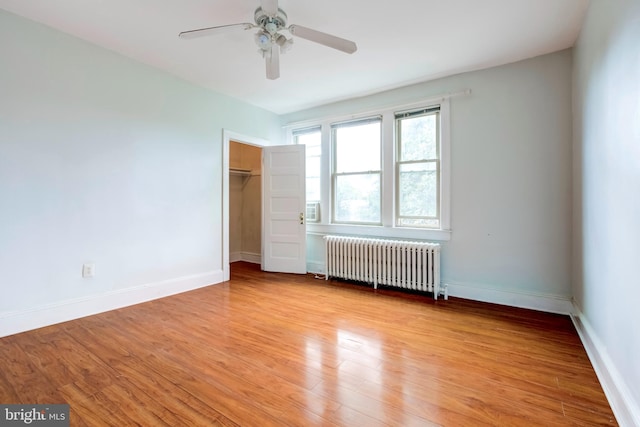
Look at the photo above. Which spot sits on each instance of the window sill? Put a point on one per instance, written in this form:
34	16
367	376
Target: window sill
380	231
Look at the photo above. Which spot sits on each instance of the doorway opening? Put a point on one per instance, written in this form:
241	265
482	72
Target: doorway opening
227	138
245	203
282	207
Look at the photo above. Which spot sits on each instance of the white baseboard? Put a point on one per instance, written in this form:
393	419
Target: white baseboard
235	256
251	257
540	302
624	406
38	317
245	256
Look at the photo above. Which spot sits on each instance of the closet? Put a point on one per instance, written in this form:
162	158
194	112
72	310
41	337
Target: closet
245	202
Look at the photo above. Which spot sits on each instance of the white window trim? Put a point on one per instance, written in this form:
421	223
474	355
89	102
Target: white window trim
388	228
445	165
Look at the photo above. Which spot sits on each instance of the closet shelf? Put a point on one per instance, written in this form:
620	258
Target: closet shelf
239	172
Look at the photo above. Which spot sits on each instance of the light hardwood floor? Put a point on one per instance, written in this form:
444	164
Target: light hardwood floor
274	349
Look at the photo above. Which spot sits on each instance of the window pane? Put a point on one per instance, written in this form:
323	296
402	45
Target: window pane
312	140
418	138
418	190
357	198
419	222
357	147
313	178
313	189
313	150
313	167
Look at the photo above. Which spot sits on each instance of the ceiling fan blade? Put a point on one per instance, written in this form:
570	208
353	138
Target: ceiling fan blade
210	31
273	63
323	38
270	7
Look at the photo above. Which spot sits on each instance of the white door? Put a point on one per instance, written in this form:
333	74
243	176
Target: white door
284	231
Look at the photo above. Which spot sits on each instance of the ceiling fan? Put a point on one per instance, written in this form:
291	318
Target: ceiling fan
271	21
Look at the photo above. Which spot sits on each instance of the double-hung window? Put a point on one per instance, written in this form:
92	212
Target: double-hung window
357	171
418	168
386	173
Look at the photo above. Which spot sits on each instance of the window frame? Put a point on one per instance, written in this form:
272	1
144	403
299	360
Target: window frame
388	229
398	117
335	174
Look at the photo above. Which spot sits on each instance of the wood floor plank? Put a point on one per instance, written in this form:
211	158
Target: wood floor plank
24	381
273	349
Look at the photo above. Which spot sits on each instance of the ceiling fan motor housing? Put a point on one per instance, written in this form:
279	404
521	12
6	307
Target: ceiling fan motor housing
270	23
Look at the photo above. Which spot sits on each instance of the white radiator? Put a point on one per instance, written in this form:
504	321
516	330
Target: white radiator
404	264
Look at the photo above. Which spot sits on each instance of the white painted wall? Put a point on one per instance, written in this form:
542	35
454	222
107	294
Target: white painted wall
109	161
511	180
606	202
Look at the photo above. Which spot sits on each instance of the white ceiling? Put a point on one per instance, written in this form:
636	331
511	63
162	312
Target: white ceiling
400	42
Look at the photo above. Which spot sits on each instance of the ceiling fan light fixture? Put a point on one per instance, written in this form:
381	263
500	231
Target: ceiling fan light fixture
263	40
284	43
271	27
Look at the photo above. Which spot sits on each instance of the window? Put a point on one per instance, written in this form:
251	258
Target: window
418	168
386	173
357	174
311	138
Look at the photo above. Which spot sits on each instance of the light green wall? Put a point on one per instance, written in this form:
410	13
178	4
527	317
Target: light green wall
106	160
511	179
607	183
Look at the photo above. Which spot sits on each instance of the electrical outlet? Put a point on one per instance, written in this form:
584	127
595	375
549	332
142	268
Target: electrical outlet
88	270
